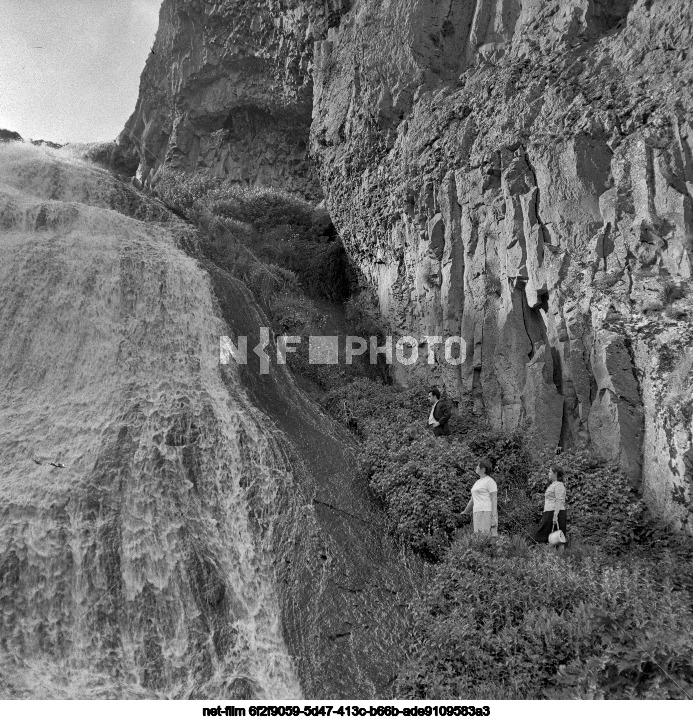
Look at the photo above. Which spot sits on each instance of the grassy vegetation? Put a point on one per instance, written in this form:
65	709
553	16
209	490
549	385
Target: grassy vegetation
279	229
609	618
421	482
505	620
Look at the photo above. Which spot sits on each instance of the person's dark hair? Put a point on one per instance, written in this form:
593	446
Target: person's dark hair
485	465
559	473
435	392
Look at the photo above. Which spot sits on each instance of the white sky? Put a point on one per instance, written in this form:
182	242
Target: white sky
70	69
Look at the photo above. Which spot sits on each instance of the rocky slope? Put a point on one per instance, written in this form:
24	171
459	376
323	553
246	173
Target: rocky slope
515	171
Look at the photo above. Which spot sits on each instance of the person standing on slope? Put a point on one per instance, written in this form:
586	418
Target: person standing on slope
484	501
440	413
554	515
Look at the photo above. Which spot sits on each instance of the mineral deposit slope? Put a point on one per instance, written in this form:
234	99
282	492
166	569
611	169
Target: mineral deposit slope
130	567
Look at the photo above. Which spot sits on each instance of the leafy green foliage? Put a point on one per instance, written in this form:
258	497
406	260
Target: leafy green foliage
183	190
609	618
278	228
264	208
603	507
424	482
293	313
506	620
363	315
606	511
280	246
320	263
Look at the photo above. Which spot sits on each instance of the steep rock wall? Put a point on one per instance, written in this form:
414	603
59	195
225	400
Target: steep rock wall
520	173
227	89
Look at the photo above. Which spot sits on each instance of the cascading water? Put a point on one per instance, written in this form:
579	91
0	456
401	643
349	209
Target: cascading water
143	567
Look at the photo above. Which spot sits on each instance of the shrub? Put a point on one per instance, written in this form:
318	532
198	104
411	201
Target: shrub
506	618
666	559
376	405
641	646
278	227
602	505
100	153
606	511
363	315
503	620
264	208
322	266
182	190
423	482
512	463
518	512
107	154
292	313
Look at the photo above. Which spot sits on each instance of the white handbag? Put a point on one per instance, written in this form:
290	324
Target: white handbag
556	536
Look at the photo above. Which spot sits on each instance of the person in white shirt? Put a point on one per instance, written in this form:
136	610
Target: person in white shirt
554	508
484	501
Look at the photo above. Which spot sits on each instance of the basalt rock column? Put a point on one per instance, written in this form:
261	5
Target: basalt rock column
521	173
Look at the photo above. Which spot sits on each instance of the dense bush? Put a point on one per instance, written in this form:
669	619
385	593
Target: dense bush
424	482
407	468
100	153
107	154
183	190
602	505
280	229
293	313
504	620
267	281
508	618
376	405
362	313
264	208
321	264
280	246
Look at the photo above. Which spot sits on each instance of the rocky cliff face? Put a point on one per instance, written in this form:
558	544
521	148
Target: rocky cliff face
514	171
520	173
227	90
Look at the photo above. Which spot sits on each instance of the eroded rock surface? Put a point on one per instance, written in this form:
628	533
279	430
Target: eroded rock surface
521	173
227	90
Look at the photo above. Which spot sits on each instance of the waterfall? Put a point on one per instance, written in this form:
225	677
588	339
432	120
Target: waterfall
143	567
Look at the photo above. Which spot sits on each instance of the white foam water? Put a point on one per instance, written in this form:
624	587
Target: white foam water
142	568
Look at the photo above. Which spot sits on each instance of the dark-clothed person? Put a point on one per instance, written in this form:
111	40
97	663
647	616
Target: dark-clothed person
440	413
